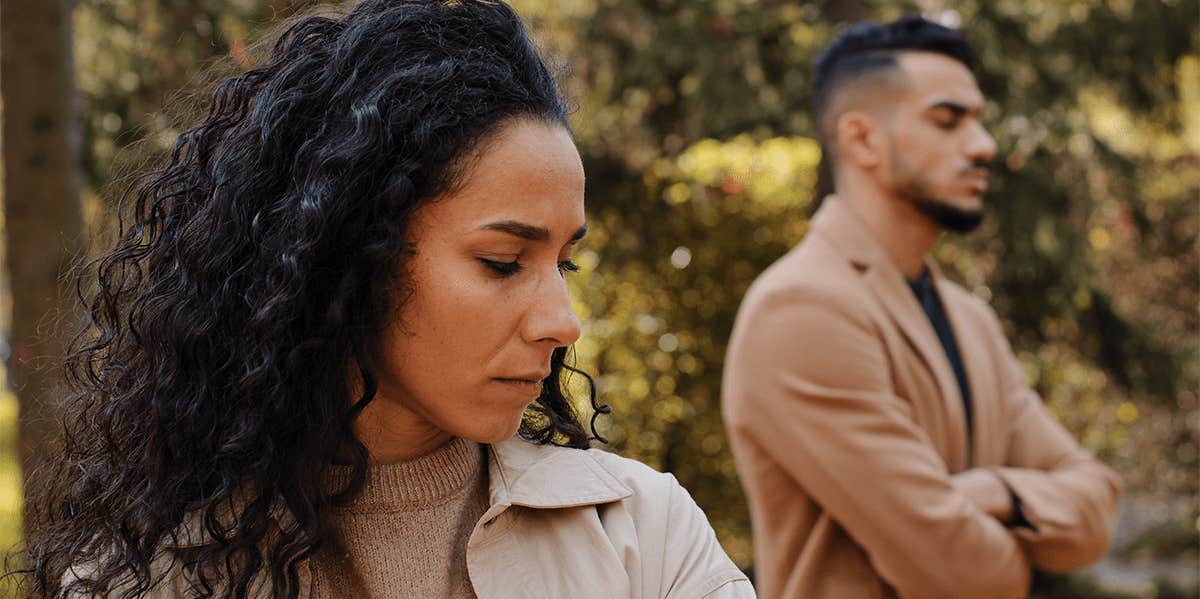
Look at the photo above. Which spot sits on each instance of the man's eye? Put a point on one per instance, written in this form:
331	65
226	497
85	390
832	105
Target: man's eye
502	268
567	266
947	124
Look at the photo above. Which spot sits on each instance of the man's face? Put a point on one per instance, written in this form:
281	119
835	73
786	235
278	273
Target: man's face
939	149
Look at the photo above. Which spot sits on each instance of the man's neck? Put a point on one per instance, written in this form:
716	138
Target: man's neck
905	234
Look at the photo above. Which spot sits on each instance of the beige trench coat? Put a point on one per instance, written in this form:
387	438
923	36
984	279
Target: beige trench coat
569	523
847	426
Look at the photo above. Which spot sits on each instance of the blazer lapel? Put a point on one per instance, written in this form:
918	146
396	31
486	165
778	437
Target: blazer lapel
980	374
838	223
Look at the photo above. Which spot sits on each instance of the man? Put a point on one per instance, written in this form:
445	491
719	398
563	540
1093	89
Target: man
881	428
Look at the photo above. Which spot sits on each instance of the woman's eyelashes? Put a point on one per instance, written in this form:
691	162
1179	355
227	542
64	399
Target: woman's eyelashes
501	267
509	268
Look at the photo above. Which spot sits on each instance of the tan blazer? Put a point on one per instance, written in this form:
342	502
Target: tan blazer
847	423
565	523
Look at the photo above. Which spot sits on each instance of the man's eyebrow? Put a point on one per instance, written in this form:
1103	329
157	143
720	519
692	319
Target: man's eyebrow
954	107
530	232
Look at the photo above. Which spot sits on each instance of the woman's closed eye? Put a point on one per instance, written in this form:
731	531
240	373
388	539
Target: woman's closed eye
501	267
509	268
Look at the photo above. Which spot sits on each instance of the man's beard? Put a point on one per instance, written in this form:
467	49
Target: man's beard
944	214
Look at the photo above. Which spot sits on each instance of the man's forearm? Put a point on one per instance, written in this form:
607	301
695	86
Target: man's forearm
987	491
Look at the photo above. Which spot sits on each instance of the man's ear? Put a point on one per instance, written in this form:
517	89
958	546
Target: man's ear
860	138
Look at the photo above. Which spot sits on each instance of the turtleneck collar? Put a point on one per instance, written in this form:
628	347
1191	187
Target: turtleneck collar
429	480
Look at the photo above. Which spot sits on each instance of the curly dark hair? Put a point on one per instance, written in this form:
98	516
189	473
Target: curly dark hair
251	274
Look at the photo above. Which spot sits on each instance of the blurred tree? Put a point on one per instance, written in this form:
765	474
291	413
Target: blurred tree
694	127
143	69
41	207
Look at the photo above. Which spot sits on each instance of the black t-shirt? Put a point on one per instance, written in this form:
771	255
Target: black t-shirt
922	286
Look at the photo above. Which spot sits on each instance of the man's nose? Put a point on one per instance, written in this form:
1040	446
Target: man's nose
981	147
551	319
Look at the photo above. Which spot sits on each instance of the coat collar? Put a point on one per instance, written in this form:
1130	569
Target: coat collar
838	224
519	473
547	476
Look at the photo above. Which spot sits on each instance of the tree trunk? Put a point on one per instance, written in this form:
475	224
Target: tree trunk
42	216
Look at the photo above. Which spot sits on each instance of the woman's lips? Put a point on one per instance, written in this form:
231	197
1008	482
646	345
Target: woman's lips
532	387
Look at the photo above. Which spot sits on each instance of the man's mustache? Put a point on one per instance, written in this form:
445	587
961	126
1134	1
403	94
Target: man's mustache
978	167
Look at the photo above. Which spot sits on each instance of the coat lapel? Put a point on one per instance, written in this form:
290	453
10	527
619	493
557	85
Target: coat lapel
530	524
838	224
980	374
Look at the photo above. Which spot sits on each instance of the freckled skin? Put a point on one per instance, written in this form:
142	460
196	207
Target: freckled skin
488	305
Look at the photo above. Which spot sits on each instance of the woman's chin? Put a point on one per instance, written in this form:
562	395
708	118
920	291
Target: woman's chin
502	430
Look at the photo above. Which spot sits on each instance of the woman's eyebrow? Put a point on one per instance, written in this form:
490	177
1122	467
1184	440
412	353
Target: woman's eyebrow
527	231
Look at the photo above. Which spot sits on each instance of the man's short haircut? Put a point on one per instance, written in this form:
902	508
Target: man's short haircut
869	47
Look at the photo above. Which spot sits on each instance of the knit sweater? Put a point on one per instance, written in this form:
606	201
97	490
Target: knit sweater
406	534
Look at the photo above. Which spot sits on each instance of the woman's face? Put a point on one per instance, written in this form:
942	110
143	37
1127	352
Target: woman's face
466	352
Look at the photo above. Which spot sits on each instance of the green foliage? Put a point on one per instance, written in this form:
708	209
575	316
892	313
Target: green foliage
693	123
142	68
658	296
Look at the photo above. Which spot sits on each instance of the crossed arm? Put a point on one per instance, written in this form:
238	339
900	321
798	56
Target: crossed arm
1068	499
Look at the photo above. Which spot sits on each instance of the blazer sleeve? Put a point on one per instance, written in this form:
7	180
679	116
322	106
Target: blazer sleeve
694	563
812	388
1067	497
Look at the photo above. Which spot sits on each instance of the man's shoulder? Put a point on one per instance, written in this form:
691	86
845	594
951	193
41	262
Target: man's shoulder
957	296
813	271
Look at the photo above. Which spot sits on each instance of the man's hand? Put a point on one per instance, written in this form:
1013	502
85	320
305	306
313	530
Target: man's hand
986	490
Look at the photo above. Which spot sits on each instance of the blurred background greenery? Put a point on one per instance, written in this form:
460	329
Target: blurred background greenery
692	118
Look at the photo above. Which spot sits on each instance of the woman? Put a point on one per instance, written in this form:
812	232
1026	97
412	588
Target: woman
325	320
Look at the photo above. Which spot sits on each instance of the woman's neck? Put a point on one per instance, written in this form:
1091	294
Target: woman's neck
394	434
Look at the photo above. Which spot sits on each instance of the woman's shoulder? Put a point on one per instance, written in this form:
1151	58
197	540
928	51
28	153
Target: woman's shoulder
636	506
637	475
541	473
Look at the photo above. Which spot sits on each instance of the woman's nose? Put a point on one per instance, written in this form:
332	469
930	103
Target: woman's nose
551	318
